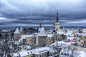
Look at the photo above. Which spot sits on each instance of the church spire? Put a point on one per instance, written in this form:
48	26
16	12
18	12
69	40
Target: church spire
57	17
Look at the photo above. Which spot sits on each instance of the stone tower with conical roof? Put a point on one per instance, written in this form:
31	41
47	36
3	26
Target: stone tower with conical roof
21	31
17	34
57	24
41	38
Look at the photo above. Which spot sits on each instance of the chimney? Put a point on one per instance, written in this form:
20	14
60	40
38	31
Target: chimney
40	25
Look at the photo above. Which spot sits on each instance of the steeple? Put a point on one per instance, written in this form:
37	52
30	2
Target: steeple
57	24
57	17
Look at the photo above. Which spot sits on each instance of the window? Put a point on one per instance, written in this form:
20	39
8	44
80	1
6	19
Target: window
65	53
40	55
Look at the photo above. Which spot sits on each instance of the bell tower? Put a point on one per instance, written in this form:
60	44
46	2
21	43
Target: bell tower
57	24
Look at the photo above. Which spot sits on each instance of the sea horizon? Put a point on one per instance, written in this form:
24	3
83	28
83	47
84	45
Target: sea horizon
36	27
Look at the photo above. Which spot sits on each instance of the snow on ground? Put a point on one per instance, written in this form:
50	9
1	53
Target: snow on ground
15	54
79	53
37	51
64	52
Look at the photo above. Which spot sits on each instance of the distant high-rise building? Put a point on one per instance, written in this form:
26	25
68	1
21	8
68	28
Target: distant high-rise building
57	24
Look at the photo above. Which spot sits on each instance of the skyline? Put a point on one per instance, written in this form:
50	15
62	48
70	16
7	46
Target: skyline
34	12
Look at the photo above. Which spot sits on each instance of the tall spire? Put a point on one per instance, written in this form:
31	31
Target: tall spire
57	17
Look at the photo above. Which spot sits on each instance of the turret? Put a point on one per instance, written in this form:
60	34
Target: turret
17	34
21	31
41	38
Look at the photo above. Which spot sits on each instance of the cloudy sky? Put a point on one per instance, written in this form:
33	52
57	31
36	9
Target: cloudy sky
33	12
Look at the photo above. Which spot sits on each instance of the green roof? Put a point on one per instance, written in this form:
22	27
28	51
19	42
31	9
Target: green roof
57	21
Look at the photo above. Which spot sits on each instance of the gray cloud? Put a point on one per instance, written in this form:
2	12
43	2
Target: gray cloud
36	11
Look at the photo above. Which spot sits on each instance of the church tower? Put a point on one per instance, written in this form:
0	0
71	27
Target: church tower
57	24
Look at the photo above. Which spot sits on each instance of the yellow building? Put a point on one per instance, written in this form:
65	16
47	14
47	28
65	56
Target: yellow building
50	39
58	37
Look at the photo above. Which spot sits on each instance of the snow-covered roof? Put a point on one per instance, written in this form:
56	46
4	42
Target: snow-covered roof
55	44
65	51
60	32
34	51
23	53
61	44
71	38
75	53
21	29
17	31
16	42
39	29
42	32
50	35
69	32
82	34
79	53
25	47
53	50
28	47
24	36
42	50
35	33
37	51
15	54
